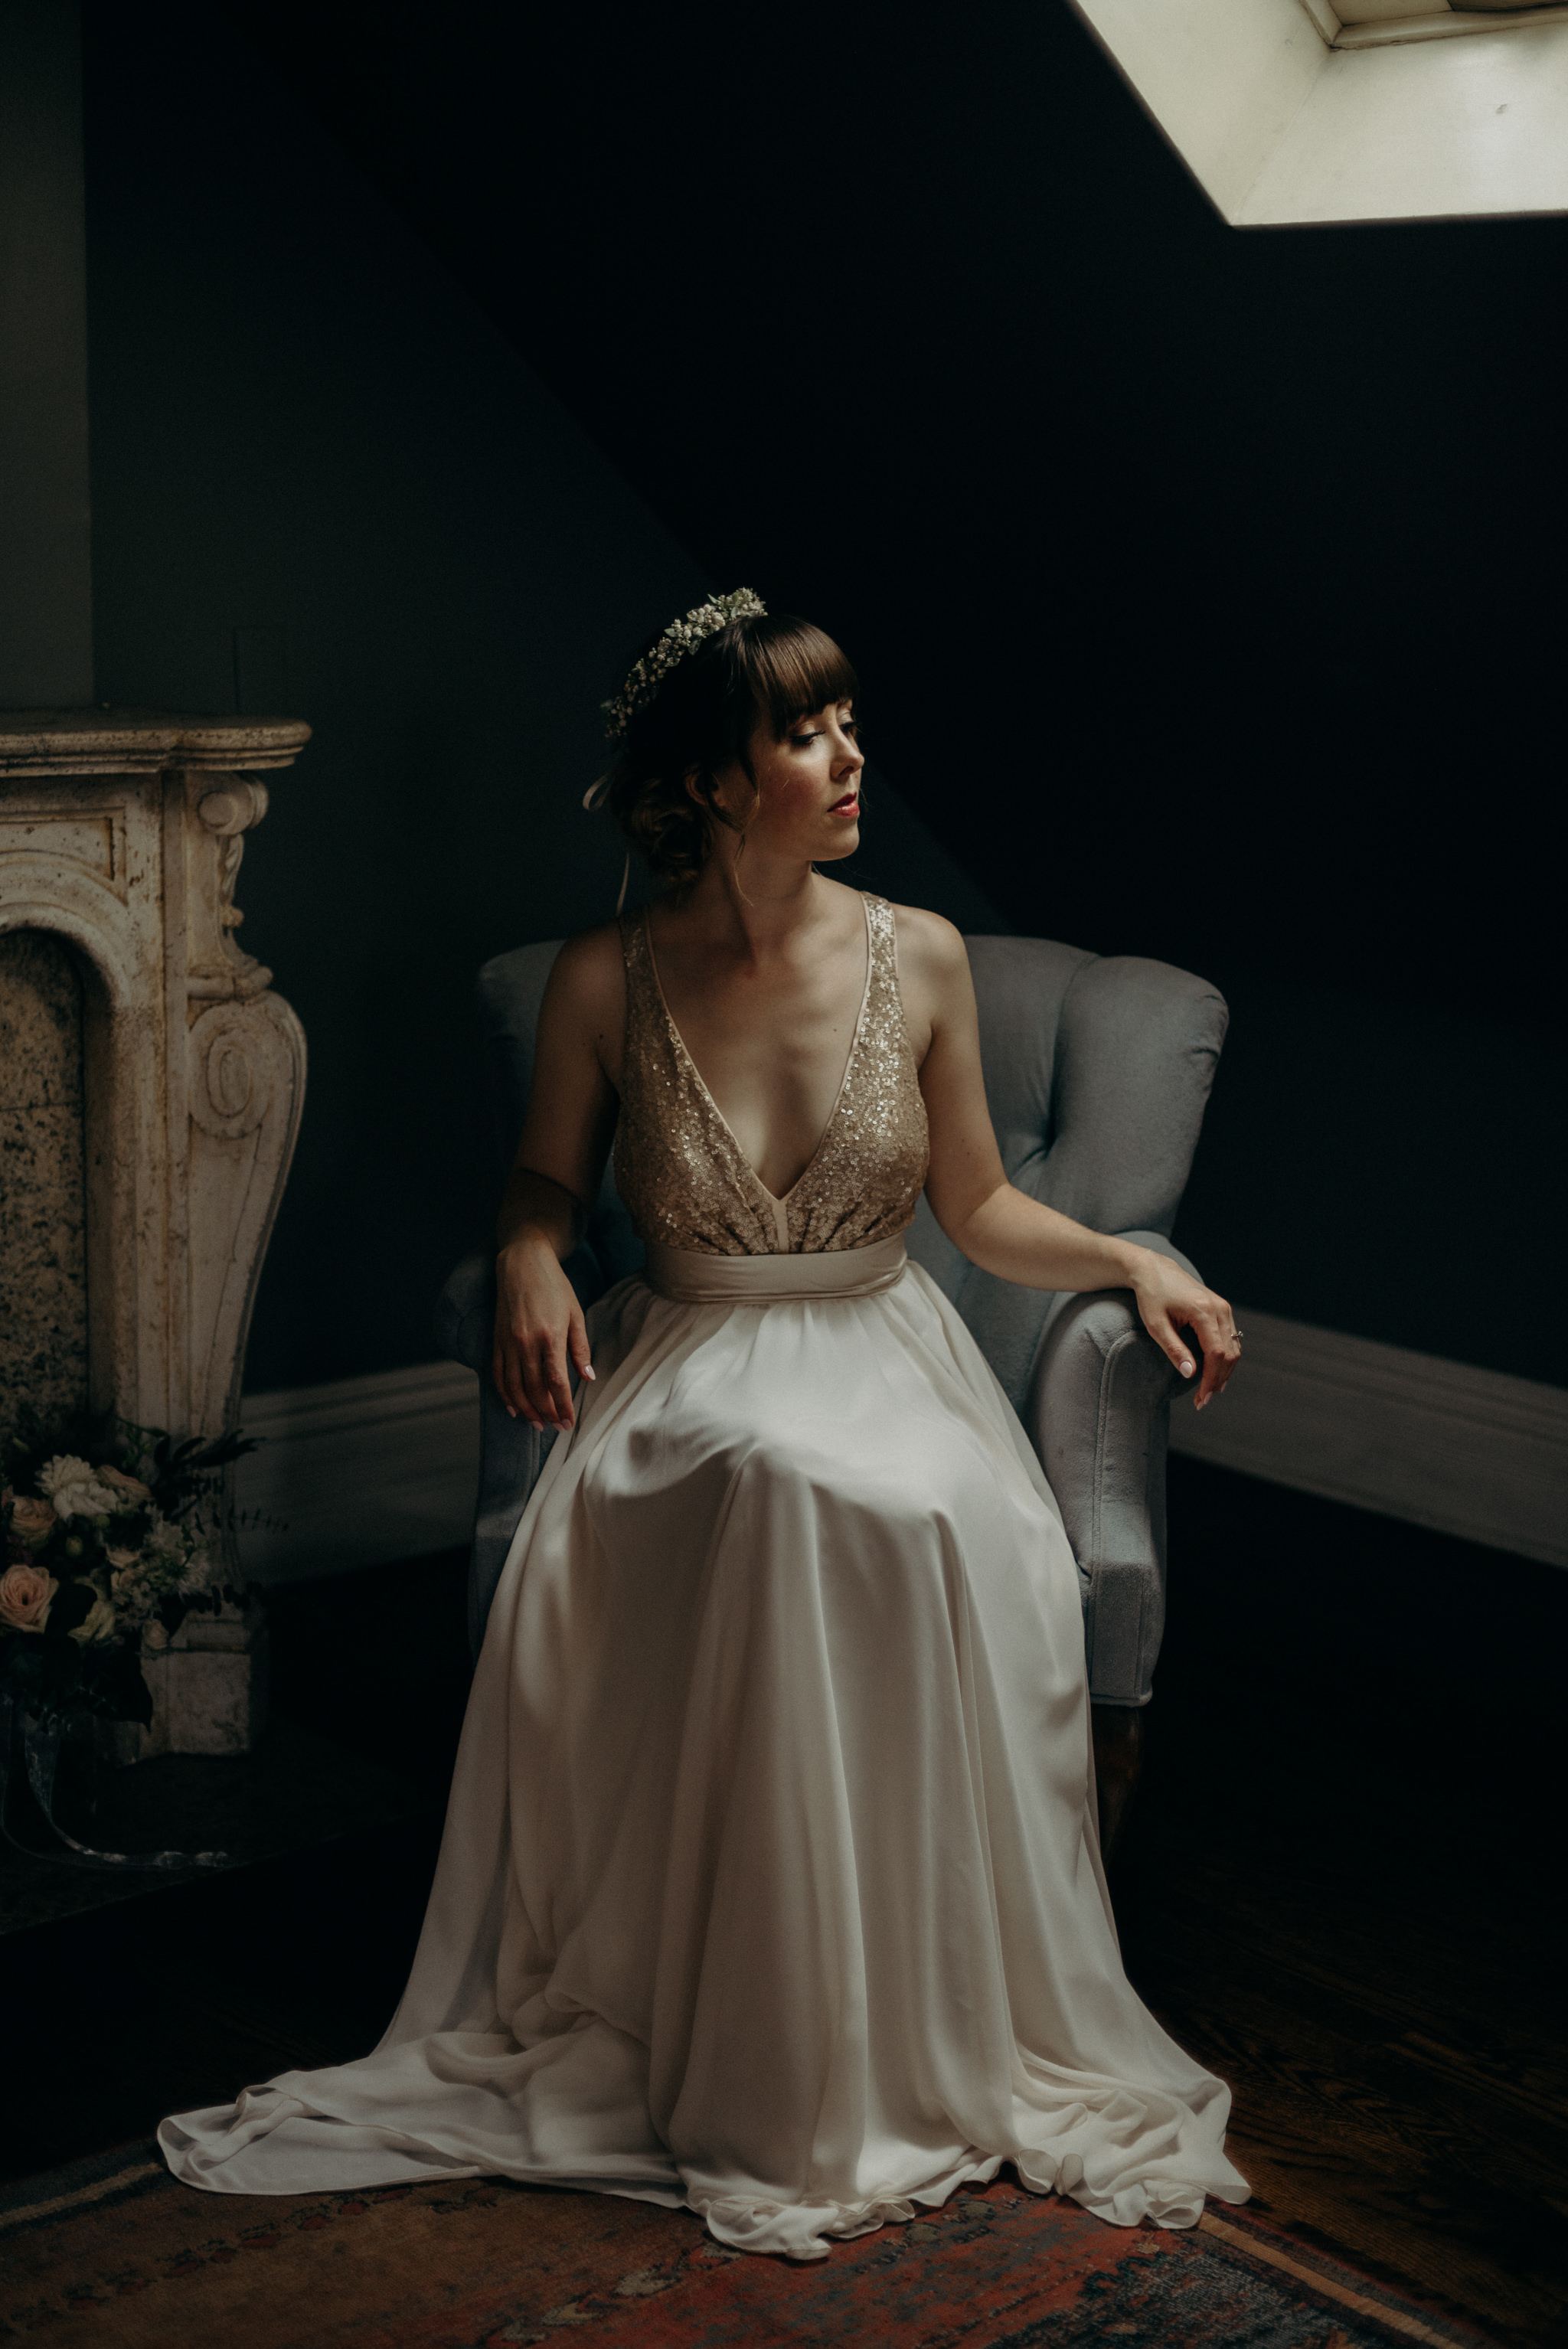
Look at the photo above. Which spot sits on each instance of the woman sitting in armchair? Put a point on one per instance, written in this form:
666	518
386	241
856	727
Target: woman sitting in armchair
771	1882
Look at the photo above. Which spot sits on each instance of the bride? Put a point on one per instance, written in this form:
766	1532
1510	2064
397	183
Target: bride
771	1882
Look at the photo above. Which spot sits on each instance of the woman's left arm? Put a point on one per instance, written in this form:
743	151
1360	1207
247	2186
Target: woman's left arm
997	1227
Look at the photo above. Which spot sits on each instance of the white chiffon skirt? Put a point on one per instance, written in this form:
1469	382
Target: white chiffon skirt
771	1882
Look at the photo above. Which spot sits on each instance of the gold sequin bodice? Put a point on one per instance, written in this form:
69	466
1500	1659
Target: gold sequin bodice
681	1173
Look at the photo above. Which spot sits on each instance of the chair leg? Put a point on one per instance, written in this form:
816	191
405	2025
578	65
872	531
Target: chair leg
1118	1766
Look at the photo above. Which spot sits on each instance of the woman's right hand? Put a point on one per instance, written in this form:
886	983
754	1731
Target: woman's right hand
541	1336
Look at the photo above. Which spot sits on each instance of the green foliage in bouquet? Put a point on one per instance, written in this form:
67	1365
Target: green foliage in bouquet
109	1536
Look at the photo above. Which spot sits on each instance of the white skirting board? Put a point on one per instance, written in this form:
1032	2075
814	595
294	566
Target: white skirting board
1439	1443
370	1470
360	1473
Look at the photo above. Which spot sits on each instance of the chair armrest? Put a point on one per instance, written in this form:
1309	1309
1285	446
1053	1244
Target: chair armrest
1098	1412
465	1314
511	1453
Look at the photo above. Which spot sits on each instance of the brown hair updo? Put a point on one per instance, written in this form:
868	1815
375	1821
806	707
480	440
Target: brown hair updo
776	669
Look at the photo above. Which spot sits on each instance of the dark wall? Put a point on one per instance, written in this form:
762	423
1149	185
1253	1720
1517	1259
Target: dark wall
326	484
46	590
1207	586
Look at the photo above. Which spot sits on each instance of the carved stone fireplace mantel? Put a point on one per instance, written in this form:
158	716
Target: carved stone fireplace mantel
151	1082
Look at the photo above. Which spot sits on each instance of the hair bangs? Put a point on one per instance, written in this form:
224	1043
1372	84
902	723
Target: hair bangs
763	670
792	669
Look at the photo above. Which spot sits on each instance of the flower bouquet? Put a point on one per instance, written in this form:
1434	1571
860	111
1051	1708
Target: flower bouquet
104	1549
112	1534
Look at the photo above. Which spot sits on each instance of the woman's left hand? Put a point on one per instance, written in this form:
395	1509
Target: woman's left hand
1171	1301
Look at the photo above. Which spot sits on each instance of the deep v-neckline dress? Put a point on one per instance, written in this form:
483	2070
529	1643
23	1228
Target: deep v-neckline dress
771	1882
685	1178
681	1064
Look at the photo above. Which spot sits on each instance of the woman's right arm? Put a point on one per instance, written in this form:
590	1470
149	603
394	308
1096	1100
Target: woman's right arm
540	1334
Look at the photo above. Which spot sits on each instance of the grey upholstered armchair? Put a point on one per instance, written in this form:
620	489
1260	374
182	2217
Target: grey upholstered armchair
1096	1071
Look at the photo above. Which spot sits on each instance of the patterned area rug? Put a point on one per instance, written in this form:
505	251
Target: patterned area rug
113	2252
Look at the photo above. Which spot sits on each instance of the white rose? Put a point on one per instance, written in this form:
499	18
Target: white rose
90	1499
65	1468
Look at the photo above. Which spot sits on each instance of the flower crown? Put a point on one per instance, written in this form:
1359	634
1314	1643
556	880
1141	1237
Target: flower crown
680	638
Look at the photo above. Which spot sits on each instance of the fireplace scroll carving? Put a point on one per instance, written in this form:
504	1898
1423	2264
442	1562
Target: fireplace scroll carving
121	837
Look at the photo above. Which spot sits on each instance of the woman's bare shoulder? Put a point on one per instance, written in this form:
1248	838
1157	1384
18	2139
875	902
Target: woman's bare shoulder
928	944
585	979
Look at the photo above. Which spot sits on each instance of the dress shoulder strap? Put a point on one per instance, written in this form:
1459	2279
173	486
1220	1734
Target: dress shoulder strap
882	925
644	1006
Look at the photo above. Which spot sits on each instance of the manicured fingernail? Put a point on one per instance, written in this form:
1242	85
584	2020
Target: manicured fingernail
1186	1370
1201	1401
588	1371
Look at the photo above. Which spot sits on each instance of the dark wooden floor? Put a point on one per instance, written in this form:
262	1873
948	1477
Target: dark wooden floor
1339	1889
1340	1886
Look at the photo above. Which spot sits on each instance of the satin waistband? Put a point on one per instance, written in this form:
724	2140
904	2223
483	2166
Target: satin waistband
688	1277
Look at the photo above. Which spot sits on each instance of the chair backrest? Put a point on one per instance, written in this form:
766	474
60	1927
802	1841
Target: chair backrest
1096	1072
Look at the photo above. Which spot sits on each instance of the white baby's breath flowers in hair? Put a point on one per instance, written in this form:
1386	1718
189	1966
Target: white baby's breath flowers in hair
680	638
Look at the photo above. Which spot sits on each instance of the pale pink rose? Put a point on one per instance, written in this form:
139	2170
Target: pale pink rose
138	1494
32	1520
27	1594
